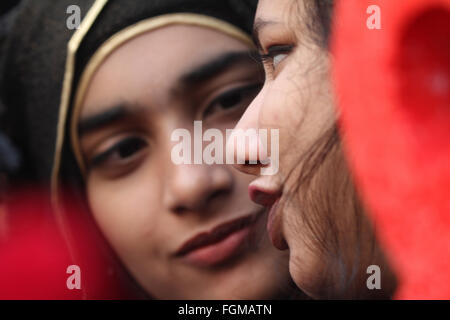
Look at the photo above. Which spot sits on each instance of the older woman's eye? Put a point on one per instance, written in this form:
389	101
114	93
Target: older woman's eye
120	152
275	55
277	59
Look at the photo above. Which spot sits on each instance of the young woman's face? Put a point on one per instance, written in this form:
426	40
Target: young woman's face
297	100
183	231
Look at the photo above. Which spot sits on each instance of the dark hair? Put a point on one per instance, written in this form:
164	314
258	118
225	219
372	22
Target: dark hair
320	13
324	162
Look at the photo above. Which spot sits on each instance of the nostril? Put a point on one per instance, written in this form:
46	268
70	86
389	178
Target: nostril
254	163
201	204
217	195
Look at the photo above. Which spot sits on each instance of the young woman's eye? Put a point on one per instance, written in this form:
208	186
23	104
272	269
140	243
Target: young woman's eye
275	55
234	98
121	152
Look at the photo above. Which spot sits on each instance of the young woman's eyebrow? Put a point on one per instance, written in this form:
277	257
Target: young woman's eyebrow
215	66
102	119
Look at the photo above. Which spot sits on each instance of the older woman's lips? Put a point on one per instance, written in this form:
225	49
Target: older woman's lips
218	245
270	199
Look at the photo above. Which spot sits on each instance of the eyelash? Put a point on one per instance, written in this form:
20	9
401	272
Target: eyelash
272	52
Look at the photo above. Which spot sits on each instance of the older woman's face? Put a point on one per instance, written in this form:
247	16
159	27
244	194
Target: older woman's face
297	100
183	231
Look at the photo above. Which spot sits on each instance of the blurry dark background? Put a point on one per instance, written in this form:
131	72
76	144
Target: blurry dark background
6	5
9	160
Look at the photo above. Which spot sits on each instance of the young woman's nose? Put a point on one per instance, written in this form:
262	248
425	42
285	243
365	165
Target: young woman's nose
194	188
245	143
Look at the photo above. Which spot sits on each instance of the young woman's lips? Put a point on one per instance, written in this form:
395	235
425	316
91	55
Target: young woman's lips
270	199
211	248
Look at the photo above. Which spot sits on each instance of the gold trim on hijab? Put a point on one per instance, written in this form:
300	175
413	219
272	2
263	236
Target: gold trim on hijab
72	48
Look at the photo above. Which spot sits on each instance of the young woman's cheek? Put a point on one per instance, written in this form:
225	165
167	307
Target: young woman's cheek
126	210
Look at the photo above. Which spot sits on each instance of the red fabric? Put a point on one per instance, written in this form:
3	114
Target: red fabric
34	256
393	88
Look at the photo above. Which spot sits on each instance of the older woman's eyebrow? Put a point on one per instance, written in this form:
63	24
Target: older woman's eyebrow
258	26
215	66
102	119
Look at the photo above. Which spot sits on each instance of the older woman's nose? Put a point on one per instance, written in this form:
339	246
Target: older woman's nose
245	145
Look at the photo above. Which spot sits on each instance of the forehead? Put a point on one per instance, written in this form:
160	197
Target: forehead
151	64
279	17
276	10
